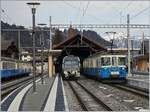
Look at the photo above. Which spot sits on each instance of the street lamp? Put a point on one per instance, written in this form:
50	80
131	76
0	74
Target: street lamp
33	6
111	38
42	50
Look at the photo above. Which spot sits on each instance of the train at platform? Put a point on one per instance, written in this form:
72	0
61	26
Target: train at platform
71	67
106	67
14	68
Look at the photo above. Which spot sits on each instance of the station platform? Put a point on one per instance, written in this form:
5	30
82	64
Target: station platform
48	97
139	81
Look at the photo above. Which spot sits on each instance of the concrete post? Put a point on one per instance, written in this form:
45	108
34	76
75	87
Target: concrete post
53	69
50	65
129	46
19	44
50	58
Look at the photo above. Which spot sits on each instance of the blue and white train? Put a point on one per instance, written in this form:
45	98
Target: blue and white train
106	67
14	68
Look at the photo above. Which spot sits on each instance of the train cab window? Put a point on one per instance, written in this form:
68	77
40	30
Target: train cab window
114	61
121	61
76	64
105	61
67	64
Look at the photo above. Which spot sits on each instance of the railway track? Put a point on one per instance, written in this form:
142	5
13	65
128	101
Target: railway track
133	90
87	99
10	86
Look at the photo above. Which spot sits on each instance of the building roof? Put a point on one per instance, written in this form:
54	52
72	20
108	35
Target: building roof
84	39
139	57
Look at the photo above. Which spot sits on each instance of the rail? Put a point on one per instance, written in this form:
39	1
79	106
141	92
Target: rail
137	91
85	107
10	86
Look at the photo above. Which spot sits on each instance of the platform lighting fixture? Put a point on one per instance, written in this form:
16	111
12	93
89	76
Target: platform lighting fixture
111	38
33	6
42	49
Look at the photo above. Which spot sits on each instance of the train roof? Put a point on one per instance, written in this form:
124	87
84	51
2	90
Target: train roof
106	54
70	57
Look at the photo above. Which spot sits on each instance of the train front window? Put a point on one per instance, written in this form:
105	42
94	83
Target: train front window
67	64
121	61
105	61
71	64
75	64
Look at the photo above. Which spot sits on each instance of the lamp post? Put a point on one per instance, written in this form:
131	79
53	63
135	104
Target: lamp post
111	38
33	6
42	51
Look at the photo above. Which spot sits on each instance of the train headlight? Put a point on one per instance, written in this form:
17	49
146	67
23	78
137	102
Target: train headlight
73	72
123	68
65	72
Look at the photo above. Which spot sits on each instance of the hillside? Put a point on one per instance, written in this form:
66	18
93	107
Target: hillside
59	36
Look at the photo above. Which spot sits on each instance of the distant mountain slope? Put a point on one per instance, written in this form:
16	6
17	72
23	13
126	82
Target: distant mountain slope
123	42
25	38
59	36
94	36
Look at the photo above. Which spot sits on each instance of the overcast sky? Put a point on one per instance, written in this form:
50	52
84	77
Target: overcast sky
100	12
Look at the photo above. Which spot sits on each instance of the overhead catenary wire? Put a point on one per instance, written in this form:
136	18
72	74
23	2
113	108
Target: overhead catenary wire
8	19
84	12
120	13
88	14
125	8
79	8
140	12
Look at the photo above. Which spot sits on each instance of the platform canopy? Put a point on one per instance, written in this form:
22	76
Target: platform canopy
78	46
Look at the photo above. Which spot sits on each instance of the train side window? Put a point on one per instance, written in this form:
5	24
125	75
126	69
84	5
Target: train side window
121	61
114	61
9	65
99	62
105	61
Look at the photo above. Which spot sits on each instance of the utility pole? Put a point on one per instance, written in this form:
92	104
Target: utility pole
19	45
50	58
143	44
149	46
81	34
132	45
129	45
42	56
50	31
0	41
42	51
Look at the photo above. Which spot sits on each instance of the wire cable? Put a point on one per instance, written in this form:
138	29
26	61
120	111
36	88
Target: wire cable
140	12
88	14
7	16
